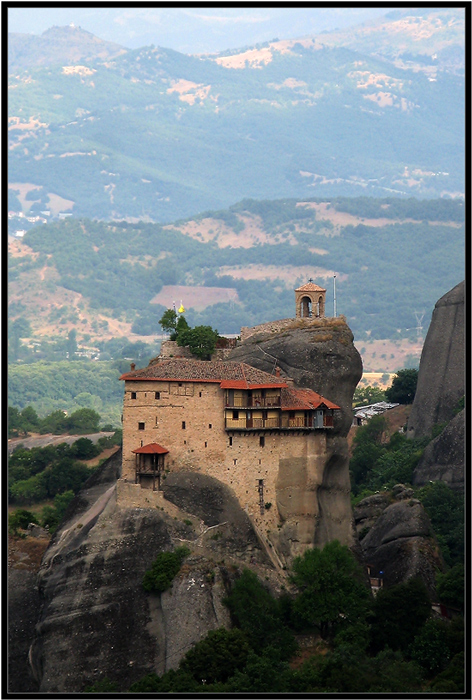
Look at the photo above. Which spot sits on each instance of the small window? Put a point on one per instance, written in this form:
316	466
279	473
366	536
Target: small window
210	426
141	443
157	395
231	442
180	383
206	444
200	394
133	394
141	426
235	415
261	441
235	461
183	425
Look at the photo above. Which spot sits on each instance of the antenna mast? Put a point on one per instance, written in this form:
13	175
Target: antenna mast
334	285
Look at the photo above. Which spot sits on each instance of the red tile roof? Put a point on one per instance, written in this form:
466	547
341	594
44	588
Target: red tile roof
152	449
304	400
310	287
230	375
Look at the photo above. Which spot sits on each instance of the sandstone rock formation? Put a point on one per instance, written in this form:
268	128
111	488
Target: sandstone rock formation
443	458
441	386
399	540
441	380
97	620
319	355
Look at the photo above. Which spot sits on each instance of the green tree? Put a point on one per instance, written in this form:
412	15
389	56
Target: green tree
258	615
85	420
368	447
403	387
429	648
168	321
201	340
399	613
332	594
450	586
83	448
445	508
218	656
19	520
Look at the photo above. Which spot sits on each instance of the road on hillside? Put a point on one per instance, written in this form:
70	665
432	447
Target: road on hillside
43	440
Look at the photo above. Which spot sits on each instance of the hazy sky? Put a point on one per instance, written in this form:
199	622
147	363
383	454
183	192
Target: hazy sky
191	29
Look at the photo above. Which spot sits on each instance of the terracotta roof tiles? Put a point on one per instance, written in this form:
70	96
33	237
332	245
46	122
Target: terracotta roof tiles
228	374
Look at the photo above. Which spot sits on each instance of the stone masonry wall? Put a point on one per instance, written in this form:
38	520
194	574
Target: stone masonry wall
190	424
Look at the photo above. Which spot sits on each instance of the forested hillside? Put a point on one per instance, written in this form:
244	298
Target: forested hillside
392	258
154	134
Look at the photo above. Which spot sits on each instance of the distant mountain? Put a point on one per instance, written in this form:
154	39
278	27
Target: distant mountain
423	39
153	134
56	47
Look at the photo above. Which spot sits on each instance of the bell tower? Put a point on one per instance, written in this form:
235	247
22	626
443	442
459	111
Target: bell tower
310	301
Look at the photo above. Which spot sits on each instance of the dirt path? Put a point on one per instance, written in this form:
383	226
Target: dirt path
43	440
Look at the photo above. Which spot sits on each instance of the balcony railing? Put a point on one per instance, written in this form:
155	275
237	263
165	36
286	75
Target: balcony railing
244	402
276	423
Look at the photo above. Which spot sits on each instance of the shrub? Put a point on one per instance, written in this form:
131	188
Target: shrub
20	519
164	569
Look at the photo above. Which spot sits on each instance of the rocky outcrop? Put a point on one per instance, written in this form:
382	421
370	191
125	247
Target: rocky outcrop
397	538
441	386
318	354
97	620
443	458
441	380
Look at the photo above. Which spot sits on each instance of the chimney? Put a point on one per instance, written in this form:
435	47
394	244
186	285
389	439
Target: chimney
133	366
277	371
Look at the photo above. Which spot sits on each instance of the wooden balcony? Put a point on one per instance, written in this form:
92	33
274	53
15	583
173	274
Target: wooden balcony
244	402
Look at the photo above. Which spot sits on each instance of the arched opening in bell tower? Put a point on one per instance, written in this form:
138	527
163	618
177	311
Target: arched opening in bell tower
305	307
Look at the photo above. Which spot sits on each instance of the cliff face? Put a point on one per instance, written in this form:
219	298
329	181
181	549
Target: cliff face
319	355
441	374
441	385
96	618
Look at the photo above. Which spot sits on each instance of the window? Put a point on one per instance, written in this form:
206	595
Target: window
231	442
183	425
133	394
261	441
210	426
157	395
200	394
235	415
141	426
206	444
235	461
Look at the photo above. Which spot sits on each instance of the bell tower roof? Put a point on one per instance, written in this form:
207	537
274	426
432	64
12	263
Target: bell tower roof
310	287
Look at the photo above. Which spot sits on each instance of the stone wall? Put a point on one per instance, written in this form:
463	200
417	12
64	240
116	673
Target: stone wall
188	420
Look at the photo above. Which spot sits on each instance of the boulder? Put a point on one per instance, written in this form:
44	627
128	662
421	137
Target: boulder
400	542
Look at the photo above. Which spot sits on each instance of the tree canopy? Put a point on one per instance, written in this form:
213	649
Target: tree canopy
403	387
